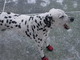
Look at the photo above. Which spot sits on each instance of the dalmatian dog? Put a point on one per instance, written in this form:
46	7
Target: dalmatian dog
36	27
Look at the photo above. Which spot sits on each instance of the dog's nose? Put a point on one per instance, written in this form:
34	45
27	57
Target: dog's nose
71	19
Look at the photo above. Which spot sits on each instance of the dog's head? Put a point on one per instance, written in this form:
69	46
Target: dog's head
60	18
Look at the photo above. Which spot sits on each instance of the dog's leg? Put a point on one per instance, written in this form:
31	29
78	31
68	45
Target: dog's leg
40	48
48	46
39	42
47	43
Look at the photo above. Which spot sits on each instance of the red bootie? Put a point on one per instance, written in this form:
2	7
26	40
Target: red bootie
50	48
45	58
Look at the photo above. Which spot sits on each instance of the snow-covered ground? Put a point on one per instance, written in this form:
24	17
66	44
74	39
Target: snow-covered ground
14	46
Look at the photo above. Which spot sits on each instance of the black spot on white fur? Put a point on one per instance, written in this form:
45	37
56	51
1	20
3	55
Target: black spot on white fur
22	20
14	22
1	21
39	17
35	21
27	34
31	18
25	22
6	17
19	26
9	16
8	12
48	20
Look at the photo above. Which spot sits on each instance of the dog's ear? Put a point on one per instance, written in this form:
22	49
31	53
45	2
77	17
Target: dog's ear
47	20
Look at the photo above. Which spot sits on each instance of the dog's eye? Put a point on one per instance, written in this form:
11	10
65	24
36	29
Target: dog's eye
61	17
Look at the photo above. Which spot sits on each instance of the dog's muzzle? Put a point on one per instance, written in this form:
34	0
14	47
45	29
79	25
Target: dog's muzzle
66	26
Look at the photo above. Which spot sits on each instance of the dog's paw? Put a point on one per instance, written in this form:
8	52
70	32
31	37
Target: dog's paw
45	58
50	48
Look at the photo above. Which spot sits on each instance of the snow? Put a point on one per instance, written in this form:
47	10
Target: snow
27	52
9	1
73	51
31	1
65	7
13	46
75	4
45	3
60	1
69	30
14	0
